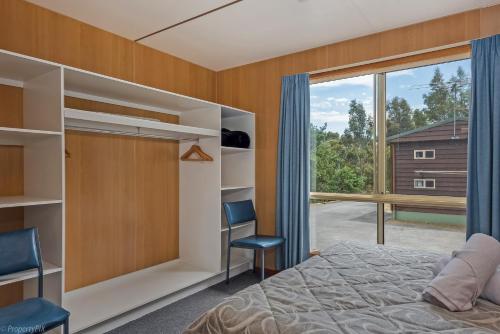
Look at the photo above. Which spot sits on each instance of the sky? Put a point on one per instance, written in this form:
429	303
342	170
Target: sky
330	100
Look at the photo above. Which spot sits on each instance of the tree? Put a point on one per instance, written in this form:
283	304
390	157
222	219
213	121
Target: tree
437	100
399	116
359	123
459	93
419	118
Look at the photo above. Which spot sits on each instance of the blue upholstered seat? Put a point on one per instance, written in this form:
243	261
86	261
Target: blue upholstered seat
34	315
257	241
20	251
243	212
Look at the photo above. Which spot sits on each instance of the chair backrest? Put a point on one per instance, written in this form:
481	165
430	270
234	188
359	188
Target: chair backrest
239	212
19	251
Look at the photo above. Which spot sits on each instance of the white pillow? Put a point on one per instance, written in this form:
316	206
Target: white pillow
491	290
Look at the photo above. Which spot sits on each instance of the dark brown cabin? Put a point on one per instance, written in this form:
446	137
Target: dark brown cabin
431	160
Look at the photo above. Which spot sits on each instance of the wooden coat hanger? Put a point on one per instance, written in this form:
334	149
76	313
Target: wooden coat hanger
195	153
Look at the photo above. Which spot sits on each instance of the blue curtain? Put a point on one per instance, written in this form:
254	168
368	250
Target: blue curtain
483	184
292	198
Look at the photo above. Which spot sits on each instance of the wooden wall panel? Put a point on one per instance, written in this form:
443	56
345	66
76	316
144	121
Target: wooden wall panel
122	202
121	205
256	87
41	33
11	177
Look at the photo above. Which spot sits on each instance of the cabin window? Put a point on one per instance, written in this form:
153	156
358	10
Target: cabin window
424	154
424	183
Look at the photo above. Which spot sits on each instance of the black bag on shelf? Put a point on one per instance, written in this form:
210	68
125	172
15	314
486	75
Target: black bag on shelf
238	139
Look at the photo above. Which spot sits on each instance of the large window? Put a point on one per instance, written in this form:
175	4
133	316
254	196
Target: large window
421	152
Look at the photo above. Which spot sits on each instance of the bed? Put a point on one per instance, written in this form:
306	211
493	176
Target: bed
349	288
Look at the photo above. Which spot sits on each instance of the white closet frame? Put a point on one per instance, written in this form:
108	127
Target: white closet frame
203	186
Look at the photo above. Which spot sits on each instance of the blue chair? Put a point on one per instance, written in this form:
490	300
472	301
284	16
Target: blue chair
20	251
240	213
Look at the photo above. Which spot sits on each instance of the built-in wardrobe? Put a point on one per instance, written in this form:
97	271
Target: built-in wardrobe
94	162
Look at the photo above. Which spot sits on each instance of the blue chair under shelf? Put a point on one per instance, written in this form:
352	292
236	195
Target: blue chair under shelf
20	251
243	212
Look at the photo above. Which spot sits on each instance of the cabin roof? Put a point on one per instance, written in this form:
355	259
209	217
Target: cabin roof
432	132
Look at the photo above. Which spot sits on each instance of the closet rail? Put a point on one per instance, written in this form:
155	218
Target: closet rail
98	122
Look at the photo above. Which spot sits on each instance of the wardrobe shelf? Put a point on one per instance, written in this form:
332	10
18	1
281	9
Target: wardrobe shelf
234	188
233	150
18	136
225	229
236	262
48	268
102	301
126	125
19	201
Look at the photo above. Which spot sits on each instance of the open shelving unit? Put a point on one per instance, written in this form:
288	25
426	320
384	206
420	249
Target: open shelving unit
40	139
205	185
238	180
104	300
48	268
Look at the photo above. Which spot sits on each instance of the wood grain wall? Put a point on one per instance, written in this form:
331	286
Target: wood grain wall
256	87
122	200
38	32
11	176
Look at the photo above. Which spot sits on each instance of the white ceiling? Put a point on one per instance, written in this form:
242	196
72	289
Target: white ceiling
251	30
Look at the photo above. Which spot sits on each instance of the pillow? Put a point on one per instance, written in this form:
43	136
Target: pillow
464	277
491	290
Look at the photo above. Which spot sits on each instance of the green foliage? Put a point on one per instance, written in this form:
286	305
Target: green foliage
399	116
344	163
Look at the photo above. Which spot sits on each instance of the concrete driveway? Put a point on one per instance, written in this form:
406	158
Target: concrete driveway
356	221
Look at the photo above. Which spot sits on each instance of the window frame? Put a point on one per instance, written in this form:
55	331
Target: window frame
425	183
424	155
380	69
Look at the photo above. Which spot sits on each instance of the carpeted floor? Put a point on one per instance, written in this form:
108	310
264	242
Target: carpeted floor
172	319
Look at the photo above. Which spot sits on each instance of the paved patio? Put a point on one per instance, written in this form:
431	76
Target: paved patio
356	221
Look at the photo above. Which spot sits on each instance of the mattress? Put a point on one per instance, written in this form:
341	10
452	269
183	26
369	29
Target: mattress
349	288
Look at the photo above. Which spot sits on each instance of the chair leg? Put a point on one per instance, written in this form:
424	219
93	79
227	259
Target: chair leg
228	264
66	326
262	265
254	260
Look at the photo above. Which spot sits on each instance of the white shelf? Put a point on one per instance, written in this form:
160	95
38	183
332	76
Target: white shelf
15	69
105	300
228	112
18	201
17	136
97	87
48	268
233	150
225	229
235	188
236	262
105	122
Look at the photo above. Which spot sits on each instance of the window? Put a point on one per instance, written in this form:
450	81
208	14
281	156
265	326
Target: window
424	183
424	154
367	133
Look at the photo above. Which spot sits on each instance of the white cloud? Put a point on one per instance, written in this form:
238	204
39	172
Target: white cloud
329	117
407	72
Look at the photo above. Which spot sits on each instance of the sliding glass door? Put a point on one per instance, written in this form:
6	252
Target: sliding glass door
390	152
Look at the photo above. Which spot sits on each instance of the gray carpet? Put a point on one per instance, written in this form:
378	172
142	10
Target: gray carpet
172	319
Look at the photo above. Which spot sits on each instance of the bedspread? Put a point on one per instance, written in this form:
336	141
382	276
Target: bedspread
349	288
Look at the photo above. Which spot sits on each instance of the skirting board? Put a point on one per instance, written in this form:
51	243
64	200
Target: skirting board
162	302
